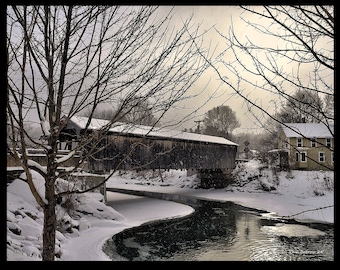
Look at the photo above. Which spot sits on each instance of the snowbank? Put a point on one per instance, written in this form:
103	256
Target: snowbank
85	222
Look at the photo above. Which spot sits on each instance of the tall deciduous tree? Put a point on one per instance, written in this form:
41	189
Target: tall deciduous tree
302	107
63	59
220	121
139	112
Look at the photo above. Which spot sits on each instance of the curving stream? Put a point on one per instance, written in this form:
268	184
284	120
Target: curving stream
225	231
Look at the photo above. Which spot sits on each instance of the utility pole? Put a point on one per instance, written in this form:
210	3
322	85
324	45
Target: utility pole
198	125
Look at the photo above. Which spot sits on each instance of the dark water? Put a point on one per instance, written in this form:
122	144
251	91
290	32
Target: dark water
223	232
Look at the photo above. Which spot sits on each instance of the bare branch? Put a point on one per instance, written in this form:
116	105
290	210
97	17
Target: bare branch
309	210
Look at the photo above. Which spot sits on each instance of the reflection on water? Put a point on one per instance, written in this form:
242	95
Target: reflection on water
223	232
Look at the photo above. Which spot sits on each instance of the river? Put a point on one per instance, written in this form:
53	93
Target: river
223	231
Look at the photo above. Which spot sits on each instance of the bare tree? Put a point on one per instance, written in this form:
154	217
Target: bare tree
294	49
301	107
220	121
64	59
139	112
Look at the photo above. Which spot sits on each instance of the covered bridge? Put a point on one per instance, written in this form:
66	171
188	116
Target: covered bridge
127	146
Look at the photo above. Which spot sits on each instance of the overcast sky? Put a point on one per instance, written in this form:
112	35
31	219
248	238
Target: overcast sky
217	93
222	17
214	93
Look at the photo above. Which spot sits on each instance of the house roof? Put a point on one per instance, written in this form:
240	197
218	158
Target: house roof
308	130
148	131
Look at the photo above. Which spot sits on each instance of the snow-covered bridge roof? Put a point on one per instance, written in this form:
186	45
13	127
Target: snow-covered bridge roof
148	131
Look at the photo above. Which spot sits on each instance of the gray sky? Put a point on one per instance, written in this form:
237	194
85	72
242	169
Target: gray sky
220	17
220	94
213	92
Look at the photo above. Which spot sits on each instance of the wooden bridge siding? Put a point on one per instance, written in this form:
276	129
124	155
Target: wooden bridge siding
174	154
42	160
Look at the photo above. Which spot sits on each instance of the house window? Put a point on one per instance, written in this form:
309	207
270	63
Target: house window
303	157
299	142
332	156
286	143
328	142
297	156
313	142
321	157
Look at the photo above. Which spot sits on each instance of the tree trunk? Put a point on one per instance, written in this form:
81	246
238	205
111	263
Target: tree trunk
50	223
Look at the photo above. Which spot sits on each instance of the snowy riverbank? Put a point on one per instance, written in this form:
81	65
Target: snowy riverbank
81	236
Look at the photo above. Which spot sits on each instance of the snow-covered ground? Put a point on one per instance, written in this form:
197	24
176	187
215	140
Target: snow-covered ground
84	227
